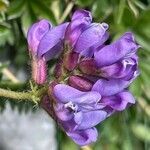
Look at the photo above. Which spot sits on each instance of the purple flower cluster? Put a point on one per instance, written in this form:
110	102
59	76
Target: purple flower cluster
95	76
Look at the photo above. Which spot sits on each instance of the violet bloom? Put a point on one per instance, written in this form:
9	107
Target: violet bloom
44	42
78	112
119	69
105	72
81	34
118	65
35	34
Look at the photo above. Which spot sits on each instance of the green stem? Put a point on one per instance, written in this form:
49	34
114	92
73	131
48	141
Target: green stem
15	95
34	96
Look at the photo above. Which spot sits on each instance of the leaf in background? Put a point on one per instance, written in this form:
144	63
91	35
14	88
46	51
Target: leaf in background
6	34
28	18
4	26
142	25
3	5
43	10
143	42
145	73
135	87
57	10
128	19
133	8
101	9
84	3
16	8
140	4
141	131
69	145
3	65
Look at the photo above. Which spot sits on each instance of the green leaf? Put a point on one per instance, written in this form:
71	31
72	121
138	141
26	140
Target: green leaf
84	3
6	34
3	65
43	10
128	19
27	19
3	5
101	9
140	4
141	131
142	25
16	9
143	42
133	8
135	87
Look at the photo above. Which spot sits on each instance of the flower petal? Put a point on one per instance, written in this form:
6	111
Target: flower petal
84	137
62	113
92	35
81	19
90	119
110	87
55	51
124	68
65	93
81	13
51	39
119	101
36	32
117	50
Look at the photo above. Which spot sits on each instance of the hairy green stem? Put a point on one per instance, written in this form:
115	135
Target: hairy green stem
34	96
15	95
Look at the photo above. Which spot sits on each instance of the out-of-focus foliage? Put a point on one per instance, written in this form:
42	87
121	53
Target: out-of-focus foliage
129	130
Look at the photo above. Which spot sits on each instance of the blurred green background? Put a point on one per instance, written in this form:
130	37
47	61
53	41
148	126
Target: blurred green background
129	130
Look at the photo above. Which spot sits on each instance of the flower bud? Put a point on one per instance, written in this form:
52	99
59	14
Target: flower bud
80	83
89	67
36	33
39	70
71	60
58	71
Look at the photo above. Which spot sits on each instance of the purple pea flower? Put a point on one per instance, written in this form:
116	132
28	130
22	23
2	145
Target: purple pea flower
117	102
35	34
78	112
118	64
44	42
97	80
81	34
52	43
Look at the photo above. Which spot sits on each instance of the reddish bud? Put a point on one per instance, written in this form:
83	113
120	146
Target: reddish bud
80	83
58	71
70	60
39	70
89	67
